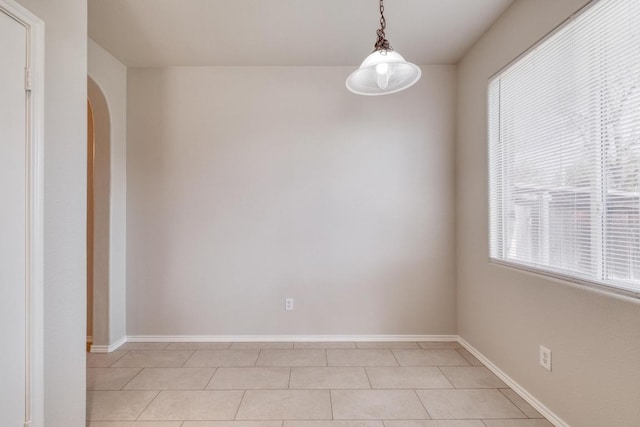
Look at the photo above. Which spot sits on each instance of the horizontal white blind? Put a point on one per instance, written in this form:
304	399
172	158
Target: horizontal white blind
564	151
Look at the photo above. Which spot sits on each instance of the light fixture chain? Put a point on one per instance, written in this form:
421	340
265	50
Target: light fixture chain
382	44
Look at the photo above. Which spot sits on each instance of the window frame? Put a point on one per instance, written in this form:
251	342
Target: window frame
537	270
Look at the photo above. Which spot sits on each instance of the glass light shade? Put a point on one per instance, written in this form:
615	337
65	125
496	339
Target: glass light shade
382	73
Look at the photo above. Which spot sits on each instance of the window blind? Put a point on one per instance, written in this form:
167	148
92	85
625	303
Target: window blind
564	152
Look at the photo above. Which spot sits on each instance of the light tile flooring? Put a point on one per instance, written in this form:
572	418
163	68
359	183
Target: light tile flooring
394	384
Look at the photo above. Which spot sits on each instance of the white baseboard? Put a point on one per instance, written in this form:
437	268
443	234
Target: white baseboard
108	348
276	338
528	397
99	349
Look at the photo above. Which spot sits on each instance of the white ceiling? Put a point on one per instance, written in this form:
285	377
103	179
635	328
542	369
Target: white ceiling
149	33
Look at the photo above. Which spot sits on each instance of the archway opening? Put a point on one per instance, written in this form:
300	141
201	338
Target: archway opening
90	159
98	217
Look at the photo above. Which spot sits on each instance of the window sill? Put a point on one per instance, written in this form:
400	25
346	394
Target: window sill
603	289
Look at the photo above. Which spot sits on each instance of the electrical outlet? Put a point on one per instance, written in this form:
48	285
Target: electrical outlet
545	358
288	304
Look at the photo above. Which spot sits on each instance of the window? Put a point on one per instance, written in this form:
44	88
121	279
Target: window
564	152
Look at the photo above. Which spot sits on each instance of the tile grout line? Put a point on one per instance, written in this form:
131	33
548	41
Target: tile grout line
132	378
423	405
470	362
187	359
235	416
315	389
193	353
210	378
453	386
510	401
367	375
394	356
289	383
143	366
331	404
325	420
148	404
117	360
180	390
311	389
521	410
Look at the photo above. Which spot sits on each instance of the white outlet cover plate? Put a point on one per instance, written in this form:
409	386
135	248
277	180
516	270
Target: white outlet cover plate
545	358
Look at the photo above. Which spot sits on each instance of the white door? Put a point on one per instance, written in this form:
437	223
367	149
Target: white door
13	221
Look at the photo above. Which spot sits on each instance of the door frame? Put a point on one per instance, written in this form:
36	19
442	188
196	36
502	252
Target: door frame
34	87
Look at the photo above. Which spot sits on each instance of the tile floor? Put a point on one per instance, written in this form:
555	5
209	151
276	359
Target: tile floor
394	384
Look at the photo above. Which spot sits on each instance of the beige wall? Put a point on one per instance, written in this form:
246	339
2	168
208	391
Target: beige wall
508	314
247	185
110	78
65	161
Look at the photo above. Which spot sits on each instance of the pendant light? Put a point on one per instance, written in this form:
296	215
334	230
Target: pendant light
384	71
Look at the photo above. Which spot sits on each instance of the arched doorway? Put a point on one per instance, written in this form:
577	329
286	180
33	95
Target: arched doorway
90	159
98	216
